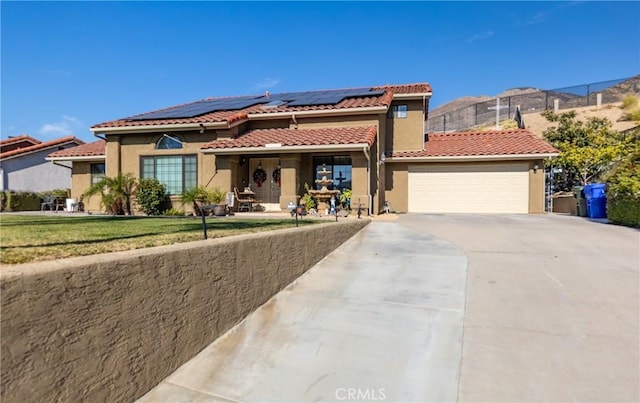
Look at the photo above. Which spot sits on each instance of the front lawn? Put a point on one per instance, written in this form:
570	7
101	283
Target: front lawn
32	238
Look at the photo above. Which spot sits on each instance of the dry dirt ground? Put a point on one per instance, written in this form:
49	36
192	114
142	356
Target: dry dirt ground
537	123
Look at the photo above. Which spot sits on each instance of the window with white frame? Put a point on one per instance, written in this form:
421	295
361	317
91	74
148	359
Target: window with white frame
168	142
177	172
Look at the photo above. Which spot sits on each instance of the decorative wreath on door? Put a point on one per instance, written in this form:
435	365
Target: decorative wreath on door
259	176
276	176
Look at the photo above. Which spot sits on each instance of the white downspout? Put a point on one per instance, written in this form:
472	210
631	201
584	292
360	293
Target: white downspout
424	119
366	154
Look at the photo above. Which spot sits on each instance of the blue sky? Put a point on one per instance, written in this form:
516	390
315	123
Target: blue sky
69	65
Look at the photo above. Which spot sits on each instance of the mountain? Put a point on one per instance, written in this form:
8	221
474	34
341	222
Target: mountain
532	99
469	112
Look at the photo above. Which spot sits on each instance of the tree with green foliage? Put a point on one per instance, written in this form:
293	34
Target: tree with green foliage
115	193
587	149
151	196
623	187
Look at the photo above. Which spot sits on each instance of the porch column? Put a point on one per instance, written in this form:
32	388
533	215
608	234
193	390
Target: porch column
360	180
224	176
289	179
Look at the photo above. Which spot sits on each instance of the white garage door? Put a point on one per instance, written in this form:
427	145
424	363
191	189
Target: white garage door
464	188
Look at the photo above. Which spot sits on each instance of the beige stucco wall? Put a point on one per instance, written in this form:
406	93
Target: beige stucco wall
406	134
336	121
124	152
397	184
536	188
109	327
81	181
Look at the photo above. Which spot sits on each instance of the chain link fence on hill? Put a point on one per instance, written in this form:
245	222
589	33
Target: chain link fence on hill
484	113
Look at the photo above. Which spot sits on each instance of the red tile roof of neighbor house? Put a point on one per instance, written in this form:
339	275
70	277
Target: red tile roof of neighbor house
17	139
93	149
41	146
231	116
301	137
465	144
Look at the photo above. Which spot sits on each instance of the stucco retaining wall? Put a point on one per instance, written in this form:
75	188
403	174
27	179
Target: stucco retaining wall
110	327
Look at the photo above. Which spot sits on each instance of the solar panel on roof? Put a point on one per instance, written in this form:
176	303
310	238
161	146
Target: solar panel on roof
332	97
304	98
201	107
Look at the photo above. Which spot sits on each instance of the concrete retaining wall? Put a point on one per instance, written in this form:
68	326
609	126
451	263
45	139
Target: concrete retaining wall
110	327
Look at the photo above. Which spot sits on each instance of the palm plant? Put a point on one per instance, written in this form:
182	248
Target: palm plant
194	195
115	193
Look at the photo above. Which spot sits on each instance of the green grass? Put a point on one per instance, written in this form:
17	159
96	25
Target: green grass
31	238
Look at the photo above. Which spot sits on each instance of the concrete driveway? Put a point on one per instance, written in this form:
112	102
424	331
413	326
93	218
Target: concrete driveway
552	307
441	308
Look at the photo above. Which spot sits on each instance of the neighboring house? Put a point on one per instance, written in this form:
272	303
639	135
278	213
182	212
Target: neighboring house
372	139
23	164
88	168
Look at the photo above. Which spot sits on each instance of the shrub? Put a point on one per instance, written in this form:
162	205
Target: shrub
60	193
3	200
624	209
623	192
151	196
22	201
307	200
173	212
631	106
629	102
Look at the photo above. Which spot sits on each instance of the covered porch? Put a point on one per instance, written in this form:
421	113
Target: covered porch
277	165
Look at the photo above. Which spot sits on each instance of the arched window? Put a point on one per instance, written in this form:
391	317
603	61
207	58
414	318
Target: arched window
168	142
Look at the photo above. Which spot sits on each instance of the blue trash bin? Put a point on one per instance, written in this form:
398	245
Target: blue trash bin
596	196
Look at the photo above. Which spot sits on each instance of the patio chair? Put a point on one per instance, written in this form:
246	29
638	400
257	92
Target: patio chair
244	203
48	201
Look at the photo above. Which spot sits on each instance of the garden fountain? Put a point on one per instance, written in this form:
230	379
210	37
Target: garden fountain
324	195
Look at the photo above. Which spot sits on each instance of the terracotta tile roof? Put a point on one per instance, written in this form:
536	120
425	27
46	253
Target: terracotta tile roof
383	100
464	144
41	146
93	149
301	137
417	88
17	139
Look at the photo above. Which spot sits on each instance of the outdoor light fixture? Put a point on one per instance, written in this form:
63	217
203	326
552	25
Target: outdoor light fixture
382	158
535	168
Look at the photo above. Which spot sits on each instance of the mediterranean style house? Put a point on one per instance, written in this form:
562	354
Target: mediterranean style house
372	139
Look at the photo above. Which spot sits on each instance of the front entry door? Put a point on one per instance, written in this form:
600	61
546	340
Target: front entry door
268	193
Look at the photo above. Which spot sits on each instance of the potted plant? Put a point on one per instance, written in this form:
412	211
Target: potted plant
218	198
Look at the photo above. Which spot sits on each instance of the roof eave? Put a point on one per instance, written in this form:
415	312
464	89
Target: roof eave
418	95
464	158
161	127
286	149
36	151
78	158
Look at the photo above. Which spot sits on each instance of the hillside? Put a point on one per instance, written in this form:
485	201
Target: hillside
533	100
537	124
